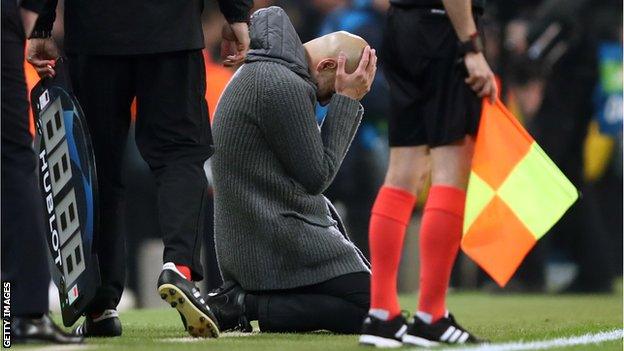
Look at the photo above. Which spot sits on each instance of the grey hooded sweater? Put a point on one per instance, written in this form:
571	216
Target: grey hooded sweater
273	227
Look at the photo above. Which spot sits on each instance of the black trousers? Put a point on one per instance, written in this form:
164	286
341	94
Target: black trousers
338	305
172	135
24	257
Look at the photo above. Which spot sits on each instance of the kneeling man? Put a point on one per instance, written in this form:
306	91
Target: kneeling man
282	249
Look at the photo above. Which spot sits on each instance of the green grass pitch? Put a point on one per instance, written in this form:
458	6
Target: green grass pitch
500	318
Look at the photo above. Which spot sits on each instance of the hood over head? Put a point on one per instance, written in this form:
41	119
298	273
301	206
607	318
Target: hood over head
274	39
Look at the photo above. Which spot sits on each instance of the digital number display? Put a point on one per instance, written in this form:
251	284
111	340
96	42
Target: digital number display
53	125
67	216
56	165
60	168
73	259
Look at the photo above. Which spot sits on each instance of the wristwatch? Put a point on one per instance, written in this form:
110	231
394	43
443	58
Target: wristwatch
474	44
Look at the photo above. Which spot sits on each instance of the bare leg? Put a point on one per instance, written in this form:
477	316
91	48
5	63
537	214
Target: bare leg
451	163
391	213
409	168
441	227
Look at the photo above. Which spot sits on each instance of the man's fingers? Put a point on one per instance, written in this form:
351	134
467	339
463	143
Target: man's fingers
471	80
41	71
494	91
47	71
485	90
373	68
372	73
342	61
364	60
230	54
233	60
478	85
44	68
40	63
372	65
371	60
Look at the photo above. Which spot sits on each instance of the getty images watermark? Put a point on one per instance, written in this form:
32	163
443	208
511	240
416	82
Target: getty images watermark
6	314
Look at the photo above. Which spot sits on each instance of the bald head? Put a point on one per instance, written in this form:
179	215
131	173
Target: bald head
330	45
322	54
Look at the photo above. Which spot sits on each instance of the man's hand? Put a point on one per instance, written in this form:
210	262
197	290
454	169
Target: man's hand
235	43
358	83
42	55
480	77
29	18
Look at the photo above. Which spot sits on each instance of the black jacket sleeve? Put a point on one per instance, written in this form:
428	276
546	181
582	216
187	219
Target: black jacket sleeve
46	17
235	10
35	6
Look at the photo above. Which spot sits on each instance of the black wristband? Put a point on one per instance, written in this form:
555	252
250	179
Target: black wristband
40	34
474	44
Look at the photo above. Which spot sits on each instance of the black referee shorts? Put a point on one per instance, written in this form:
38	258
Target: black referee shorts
430	102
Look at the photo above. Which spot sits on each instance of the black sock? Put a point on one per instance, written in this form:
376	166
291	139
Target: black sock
251	307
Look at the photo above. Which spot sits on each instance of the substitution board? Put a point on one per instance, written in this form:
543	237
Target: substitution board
68	183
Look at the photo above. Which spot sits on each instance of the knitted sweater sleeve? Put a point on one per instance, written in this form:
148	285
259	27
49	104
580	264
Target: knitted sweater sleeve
311	156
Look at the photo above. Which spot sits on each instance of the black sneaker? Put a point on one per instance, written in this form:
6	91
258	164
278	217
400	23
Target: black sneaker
106	324
228	305
40	330
446	330
380	333
184	296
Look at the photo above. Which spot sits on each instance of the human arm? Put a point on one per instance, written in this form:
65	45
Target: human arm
42	51
235	32
310	155
313	157
29	13
29	18
480	76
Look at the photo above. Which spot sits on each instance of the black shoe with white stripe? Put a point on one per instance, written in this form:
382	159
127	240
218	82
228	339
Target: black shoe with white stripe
228	304
379	333
107	324
446	330
183	295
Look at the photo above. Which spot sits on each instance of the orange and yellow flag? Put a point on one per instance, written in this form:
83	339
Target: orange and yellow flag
515	194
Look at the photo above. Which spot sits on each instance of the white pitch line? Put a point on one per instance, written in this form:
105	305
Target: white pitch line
222	335
585	339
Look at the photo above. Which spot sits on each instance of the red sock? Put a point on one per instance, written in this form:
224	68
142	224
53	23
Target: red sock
390	216
185	270
440	235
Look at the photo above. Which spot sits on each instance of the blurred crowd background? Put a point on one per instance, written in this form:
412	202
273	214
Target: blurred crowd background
559	64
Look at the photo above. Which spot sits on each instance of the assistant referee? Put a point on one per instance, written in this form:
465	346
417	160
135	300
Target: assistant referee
433	59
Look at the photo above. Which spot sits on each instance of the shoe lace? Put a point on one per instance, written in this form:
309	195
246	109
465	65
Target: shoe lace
454	322
215	291
218	290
